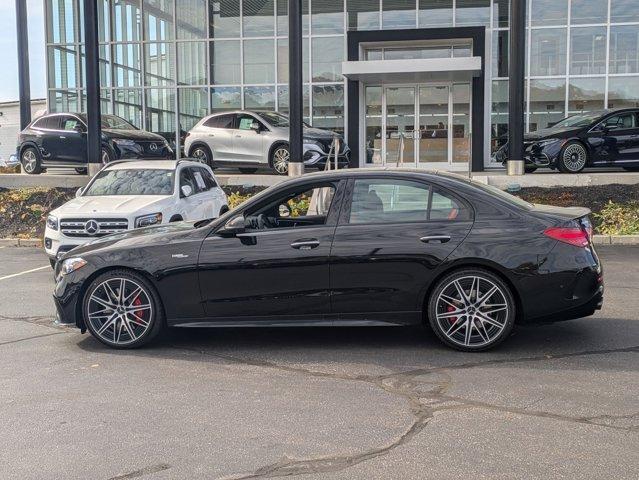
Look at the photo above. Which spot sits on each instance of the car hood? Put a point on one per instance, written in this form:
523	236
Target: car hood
109	205
319	133
548	133
133	135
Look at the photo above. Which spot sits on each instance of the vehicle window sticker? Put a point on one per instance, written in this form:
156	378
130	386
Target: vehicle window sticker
199	180
245	123
70	124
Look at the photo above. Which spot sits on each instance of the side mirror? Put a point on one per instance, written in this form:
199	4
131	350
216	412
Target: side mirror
256	127
186	190
78	192
235	225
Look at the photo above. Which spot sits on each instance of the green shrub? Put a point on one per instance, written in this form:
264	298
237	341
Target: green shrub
618	219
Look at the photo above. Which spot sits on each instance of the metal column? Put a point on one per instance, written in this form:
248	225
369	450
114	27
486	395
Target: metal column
516	97
92	70
24	88
295	87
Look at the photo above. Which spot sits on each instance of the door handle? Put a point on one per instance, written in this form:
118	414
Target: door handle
238	136
306	244
211	134
62	136
435	239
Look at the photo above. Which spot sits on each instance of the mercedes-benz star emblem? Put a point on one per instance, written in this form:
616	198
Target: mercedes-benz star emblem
91	227
153	147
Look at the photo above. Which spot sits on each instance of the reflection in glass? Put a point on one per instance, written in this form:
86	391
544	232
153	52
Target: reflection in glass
126	21
548	12
160	112
461	123
194	105
327	16
64	17
588	11
128	105
105	65
282	60
63	67
373	119
624	11
281	11
500	53
191	57
105	101
499	115
624	49
548	52
282	101
257	16
328	107
224	18
328	53
587	50
259	61
190	17
104	18
126	67
586	94
225	62
435	13
225	98
400	122
63	101
363	14
259	98
158	19
547	103
398	14
623	93
433	124
472	12
159	63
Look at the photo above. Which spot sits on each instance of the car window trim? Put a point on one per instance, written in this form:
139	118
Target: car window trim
52	115
596	128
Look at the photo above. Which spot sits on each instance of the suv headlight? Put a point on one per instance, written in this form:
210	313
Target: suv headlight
70	265
148	220
52	222
124	142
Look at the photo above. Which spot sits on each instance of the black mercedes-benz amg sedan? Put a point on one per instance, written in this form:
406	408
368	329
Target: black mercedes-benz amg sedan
597	139
347	248
60	140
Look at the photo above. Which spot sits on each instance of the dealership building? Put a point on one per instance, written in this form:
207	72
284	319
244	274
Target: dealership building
428	78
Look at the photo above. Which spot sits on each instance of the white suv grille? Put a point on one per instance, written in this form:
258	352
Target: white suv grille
92	227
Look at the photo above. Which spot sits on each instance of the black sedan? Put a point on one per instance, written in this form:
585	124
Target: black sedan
597	139
60	140
343	248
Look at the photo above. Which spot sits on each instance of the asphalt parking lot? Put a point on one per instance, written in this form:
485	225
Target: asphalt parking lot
556	401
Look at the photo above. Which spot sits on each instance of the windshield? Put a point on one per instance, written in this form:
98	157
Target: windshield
131	182
275	119
581	120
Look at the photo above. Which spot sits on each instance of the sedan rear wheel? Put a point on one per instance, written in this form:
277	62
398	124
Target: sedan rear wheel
122	310
573	158
471	310
280	159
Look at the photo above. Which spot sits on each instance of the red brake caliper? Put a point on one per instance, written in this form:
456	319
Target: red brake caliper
139	313
452	320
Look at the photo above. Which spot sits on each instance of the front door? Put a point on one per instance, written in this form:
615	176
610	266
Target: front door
73	142
247	142
277	270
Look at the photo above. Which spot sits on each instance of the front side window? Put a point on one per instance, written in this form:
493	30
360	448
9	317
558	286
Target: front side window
70	123
131	182
245	122
625	120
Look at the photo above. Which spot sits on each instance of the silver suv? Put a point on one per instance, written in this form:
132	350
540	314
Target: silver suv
249	140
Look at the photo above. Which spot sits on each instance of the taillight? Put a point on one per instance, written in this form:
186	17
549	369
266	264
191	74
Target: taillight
576	236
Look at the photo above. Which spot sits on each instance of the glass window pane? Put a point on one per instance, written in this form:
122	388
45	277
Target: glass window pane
623	93
283	105
363	14
64	101
224	18
282	17
225	98
499	115
547	103
328	54
258	18
259	98
104	18
586	94
126	66
500	53
63	67
433	123
587	50
194	105
225	62
624	49
159	62
328	107
548	52
282	60
64	17
624	11
126	21
588	11
327	16
501	13
435	13
548	12
191	58
158	19
160	112
259	61
472	12
399	13
128	105
389	201
105	101
373	120
461	122
191	19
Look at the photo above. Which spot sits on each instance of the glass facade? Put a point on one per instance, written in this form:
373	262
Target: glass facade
166	63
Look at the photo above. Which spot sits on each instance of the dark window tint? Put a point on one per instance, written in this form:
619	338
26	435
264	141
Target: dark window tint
186	178
220	121
388	201
51	123
623	120
69	123
446	207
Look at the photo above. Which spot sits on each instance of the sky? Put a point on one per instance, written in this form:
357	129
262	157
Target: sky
9	50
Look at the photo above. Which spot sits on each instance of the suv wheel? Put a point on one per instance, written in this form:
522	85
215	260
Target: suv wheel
30	159
280	158
471	310
122	310
203	155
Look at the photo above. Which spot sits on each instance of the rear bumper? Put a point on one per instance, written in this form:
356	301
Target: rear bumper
578	311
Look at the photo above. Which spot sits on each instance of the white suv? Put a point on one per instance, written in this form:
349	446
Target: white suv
132	194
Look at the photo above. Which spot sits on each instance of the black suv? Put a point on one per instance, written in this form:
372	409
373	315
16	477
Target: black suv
60	140
604	138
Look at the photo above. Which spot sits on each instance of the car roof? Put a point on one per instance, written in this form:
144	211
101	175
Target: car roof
151	164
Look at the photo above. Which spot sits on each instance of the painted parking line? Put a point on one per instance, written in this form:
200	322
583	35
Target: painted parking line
7	277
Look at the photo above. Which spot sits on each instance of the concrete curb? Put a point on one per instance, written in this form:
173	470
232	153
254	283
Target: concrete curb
20	242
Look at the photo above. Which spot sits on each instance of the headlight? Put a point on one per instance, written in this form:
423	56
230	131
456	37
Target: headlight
545	143
52	222
124	142
71	265
147	220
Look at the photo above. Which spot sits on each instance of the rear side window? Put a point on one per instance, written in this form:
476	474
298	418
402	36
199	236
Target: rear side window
443	206
50	123
220	121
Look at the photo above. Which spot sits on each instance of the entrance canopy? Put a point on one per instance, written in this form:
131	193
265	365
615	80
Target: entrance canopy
413	70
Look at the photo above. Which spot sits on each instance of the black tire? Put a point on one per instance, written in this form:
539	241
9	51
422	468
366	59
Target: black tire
155	322
203	154
530	169
52	261
31	161
279	159
248	171
81	171
573	157
105	156
492	335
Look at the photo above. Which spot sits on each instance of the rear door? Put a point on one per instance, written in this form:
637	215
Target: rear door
219	136
52	143
392	235
248	143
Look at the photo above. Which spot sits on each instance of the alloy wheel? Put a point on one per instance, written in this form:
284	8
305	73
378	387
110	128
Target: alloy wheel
104	157
29	161
574	157
281	157
471	311
200	155
120	311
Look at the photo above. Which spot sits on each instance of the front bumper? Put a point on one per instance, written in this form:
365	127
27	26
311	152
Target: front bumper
315	156
136	151
534	155
67	296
